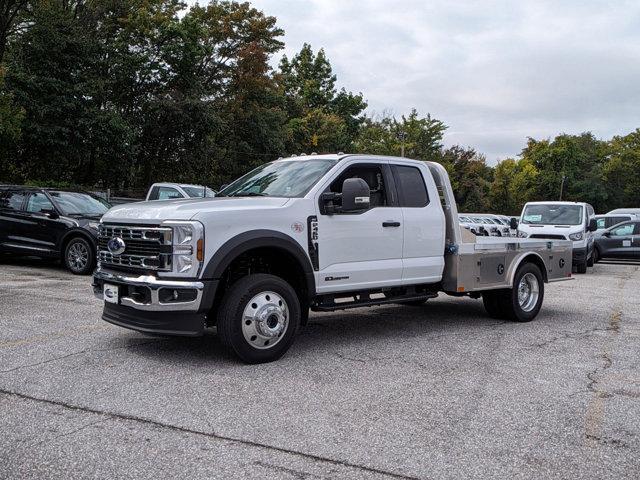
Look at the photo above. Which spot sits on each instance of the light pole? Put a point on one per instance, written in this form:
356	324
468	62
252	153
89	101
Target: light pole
562	186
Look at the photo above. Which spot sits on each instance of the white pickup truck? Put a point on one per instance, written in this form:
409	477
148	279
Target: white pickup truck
320	232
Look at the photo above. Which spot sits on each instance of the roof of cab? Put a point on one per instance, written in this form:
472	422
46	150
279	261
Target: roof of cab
342	156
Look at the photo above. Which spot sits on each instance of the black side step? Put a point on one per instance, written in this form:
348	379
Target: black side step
327	303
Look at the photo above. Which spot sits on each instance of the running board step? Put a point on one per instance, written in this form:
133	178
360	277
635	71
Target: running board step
328	303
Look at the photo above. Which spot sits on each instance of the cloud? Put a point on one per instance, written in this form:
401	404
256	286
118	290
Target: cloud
494	71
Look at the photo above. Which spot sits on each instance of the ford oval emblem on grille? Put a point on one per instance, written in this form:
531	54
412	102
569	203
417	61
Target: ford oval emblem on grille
116	245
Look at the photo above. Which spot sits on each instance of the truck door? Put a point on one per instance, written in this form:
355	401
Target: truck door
12	219
363	250
424	226
619	241
636	240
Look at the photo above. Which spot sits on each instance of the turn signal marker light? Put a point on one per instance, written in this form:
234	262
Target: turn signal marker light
200	250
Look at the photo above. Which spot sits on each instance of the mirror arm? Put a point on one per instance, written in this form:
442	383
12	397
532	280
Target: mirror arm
329	206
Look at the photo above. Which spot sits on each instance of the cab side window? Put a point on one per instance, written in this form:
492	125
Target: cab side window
168	193
38	202
373	175
623	230
412	191
12	199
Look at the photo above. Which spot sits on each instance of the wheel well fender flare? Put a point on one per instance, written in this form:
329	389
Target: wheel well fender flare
532	257
253	239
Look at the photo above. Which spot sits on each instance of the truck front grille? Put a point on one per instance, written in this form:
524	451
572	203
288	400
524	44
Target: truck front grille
146	248
548	236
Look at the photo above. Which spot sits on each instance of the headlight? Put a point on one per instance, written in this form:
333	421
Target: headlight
187	248
576	236
93	225
522	234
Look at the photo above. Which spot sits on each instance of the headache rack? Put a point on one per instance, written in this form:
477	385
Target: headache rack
146	248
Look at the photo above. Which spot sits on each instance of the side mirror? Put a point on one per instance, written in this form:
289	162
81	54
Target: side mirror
593	225
355	195
513	223
51	213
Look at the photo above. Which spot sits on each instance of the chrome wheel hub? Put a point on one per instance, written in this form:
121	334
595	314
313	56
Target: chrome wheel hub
78	256
528	292
265	319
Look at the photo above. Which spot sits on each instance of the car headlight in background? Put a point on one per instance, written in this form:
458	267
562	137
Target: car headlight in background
522	234
93	225
187	248
576	236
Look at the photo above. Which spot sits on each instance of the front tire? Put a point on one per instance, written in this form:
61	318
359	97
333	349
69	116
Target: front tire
79	256
258	318
581	267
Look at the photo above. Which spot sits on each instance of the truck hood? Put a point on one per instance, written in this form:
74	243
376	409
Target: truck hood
185	209
553	229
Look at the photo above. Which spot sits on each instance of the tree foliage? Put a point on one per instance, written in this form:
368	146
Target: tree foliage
123	93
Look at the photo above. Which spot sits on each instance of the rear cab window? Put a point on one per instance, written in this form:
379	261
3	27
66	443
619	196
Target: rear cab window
411	187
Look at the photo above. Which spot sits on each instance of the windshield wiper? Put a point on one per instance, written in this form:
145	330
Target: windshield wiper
248	194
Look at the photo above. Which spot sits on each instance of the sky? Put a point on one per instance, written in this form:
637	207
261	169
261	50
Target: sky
496	72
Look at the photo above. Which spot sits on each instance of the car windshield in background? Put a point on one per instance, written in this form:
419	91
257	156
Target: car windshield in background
288	178
74	203
552	214
199	192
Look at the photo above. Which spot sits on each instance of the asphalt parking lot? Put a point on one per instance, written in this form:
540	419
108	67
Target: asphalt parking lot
439	391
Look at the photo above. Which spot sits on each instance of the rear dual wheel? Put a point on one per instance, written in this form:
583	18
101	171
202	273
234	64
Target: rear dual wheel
520	303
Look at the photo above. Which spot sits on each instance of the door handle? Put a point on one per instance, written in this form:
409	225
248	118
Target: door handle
390	224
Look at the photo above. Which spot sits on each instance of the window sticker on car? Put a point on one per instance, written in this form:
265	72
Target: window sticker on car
533	218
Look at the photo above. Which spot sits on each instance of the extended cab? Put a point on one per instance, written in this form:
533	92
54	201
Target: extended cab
573	221
322	232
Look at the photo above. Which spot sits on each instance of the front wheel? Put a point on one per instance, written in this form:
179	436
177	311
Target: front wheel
596	255
581	267
258	318
79	256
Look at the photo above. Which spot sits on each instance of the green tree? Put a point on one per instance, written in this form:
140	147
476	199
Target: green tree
621	172
578	158
417	137
515	182
470	178
320	118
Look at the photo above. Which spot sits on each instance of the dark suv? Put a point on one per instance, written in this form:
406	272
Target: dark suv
51	223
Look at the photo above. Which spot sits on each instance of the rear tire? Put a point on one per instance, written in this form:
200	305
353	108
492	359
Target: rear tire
492	303
596	255
79	256
522	302
258	318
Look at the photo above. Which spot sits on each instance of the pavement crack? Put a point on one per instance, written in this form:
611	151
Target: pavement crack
240	441
81	352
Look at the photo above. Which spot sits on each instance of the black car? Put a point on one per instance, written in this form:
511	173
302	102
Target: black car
51	223
619	241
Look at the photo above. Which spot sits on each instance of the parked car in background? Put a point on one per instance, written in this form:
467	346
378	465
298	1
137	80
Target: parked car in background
619	241
503	224
471	225
489	226
172	191
51	223
604	222
573	221
625	211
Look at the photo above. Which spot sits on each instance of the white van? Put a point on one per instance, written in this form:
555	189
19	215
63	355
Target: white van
573	221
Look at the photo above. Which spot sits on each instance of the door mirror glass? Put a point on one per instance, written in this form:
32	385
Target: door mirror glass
355	195
593	225
513	223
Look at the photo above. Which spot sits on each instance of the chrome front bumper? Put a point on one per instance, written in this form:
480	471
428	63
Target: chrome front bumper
155	285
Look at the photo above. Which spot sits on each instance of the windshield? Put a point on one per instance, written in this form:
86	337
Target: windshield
279	179
199	192
552	214
73	203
